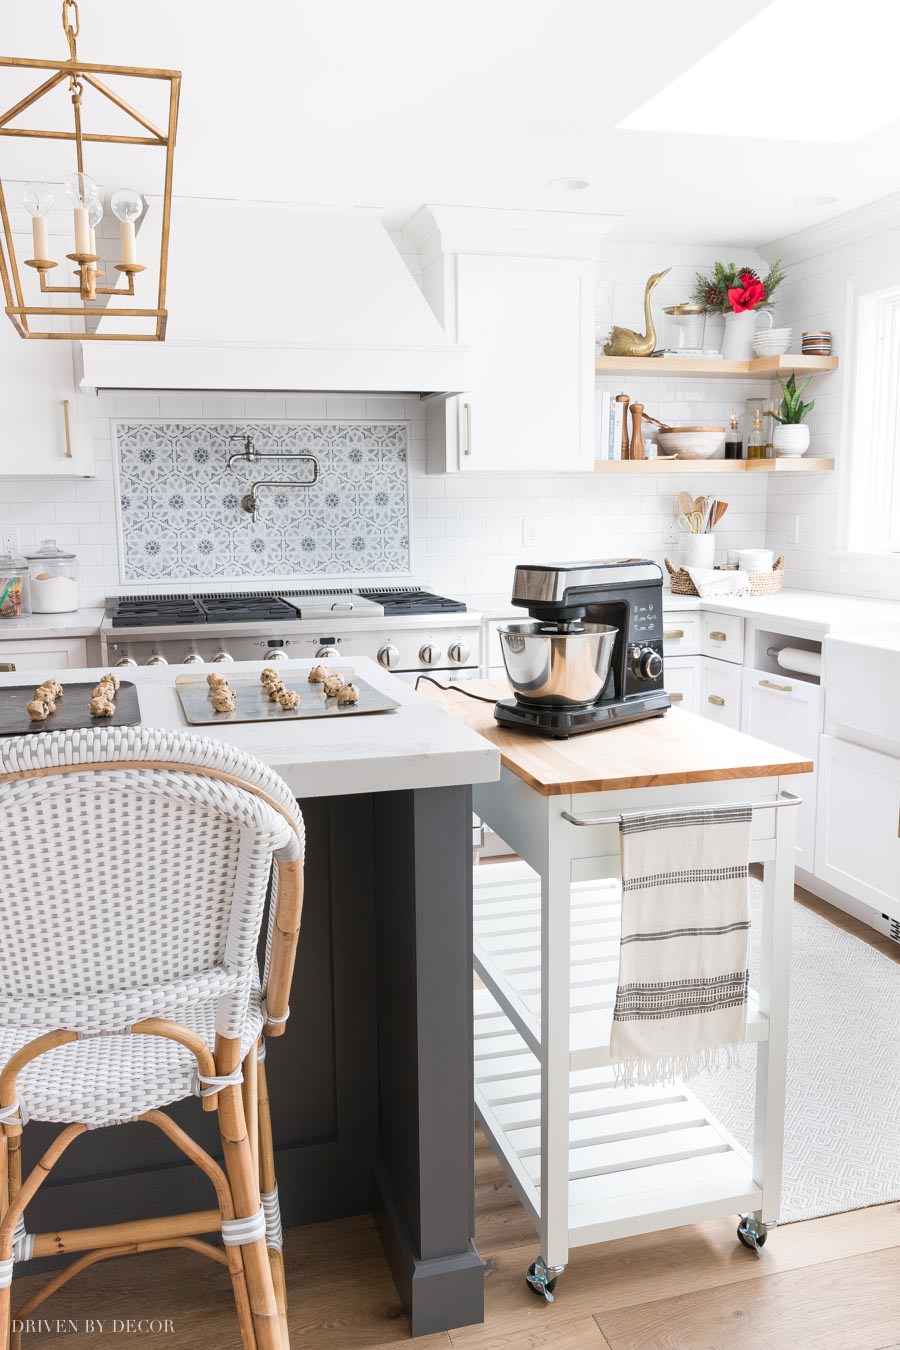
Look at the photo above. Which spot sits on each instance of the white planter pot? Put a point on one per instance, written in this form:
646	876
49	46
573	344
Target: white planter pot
790	439
737	344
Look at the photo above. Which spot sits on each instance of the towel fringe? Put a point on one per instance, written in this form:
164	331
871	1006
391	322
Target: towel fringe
669	1069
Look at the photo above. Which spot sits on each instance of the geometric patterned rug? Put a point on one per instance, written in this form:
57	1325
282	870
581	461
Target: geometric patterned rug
842	1123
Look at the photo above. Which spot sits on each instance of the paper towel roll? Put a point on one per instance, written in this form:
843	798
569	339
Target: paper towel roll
796	659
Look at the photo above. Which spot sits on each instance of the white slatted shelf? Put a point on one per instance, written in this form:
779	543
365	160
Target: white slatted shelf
640	1159
508	961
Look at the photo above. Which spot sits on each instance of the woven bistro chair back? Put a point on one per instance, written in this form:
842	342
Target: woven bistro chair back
136	891
134	874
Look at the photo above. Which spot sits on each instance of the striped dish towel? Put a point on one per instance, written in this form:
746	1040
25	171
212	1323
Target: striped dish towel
681	1002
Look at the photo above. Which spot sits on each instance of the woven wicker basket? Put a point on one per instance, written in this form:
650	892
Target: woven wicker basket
761	583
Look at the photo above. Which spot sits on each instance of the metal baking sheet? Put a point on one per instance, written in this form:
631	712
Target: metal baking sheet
72	710
252	703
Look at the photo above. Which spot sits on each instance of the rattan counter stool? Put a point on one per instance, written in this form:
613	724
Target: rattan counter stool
134	870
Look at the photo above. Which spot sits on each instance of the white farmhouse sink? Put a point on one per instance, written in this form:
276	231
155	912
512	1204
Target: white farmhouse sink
861	675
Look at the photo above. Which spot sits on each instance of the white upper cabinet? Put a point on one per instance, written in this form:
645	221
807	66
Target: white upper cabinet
516	289
43	421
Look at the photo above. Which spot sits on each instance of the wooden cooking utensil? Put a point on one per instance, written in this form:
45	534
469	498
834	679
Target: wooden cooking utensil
685	503
721	508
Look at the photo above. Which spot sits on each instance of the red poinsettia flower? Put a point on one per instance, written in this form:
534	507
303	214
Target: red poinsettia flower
746	296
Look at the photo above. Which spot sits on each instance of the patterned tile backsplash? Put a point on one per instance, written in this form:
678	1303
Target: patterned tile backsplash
180	511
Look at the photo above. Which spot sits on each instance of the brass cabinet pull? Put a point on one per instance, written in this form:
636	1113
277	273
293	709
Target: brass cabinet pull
717	700
782	688
675	698
673	633
7	666
468	408
68	428
718	637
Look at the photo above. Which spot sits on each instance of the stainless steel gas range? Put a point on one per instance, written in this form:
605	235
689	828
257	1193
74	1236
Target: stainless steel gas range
407	630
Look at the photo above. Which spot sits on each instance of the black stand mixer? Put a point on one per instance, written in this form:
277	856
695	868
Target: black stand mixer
592	655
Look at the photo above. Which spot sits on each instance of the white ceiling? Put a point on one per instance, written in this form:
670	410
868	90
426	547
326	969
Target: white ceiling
394	103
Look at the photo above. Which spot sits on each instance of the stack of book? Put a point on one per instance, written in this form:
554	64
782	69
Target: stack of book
610	425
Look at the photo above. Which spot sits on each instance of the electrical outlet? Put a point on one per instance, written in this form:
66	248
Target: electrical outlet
529	533
793	533
672	532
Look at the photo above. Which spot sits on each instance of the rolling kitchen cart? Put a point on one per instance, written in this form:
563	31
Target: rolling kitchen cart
590	1161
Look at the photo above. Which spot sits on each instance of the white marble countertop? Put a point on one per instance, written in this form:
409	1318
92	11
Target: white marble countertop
78	623
418	746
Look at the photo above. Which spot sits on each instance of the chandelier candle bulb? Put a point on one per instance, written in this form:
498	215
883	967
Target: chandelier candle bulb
129	252
82	230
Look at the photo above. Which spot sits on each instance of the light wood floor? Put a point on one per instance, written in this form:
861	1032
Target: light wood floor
827	1284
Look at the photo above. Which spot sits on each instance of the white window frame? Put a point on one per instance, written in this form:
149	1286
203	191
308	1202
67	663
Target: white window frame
872	424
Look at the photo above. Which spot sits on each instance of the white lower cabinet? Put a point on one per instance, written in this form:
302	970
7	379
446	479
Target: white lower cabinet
720	691
43	654
858	823
788	712
682	677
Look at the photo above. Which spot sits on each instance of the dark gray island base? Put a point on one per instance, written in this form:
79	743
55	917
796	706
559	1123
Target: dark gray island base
371	1085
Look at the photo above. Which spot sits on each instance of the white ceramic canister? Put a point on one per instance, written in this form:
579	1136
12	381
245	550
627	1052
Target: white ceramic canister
55	579
755	559
699	550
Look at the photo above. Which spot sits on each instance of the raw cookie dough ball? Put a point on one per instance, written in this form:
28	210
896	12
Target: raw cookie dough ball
101	706
217	681
110	678
50	687
103	690
39	709
332	684
289	698
318	675
274	689
223	700
349	694
268	675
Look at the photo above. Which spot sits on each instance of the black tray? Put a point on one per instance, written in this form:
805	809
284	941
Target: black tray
72	710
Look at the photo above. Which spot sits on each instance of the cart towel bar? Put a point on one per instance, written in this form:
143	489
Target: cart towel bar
783	799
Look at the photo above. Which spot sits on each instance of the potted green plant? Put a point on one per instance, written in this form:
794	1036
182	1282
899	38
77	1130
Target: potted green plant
791	436
739	293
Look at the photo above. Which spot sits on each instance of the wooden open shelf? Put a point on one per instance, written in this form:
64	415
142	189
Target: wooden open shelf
812	465
760	368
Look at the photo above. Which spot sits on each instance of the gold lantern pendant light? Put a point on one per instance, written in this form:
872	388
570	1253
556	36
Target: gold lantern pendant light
83	195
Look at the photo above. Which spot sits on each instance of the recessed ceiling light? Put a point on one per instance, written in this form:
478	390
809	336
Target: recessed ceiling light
568	184
813	77
815	199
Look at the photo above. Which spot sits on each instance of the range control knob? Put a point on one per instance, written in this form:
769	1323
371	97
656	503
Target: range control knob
646	662
126	661
430	654
388	656
274	654
328	651
193	659
156	660
458	653
222	655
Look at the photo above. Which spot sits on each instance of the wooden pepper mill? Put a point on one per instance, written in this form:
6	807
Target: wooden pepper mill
637	434
624	400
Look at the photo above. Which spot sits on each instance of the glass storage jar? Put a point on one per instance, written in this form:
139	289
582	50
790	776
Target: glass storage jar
55	579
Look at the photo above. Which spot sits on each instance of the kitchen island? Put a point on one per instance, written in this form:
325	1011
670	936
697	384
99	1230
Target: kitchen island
371	1085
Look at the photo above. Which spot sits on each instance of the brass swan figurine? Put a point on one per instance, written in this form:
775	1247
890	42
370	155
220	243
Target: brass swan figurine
625	341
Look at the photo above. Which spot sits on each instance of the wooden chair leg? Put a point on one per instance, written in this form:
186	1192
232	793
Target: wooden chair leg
4	1173
245	1196
267	1181
249	1090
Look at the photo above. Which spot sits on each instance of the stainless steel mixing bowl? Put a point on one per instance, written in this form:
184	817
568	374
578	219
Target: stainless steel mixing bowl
555	669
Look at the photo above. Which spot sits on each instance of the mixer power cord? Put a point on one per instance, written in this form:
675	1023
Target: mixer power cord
453	689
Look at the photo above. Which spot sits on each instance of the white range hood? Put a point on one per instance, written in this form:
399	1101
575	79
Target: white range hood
282	298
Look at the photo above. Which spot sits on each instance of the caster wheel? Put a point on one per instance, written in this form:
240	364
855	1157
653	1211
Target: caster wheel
751	1239
537	1285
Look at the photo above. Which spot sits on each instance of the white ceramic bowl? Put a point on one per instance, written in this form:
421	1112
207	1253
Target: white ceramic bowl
773	343
691	442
